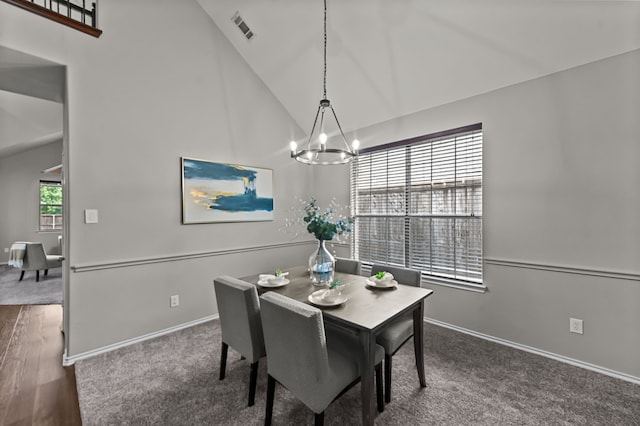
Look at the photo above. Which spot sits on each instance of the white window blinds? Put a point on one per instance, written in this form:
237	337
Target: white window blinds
418	204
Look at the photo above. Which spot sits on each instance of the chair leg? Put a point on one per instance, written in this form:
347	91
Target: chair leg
253	378
271	391
387	378
379	393
223	359
319	419
21	276
37	276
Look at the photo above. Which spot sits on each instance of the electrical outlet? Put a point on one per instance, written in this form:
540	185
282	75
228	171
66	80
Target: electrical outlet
6	250
575	325
175	301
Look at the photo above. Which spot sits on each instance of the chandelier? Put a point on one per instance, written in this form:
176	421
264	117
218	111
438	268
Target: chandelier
316	151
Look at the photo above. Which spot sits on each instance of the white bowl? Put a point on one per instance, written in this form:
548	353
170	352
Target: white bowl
387	278
266	277
276	280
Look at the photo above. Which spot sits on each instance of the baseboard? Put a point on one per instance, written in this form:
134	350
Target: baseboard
561	358
598	369
69	360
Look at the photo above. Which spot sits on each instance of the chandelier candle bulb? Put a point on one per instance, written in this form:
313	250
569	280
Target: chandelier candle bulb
323	138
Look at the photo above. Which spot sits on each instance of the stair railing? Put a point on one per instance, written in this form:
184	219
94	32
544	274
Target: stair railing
81	15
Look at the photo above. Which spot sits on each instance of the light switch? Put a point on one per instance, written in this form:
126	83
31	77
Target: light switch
90	216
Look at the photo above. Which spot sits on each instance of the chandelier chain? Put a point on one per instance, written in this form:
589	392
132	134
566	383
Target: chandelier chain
325	51
318	152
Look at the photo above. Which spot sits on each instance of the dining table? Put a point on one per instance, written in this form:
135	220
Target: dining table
365	310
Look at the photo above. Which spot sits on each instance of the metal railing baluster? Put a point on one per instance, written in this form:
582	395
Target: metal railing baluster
76	14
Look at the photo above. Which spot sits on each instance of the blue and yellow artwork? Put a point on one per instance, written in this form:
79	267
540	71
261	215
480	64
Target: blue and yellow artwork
221	192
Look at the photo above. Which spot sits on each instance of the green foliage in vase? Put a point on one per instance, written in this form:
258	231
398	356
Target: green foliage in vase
278	272
380	274
335	283
322	224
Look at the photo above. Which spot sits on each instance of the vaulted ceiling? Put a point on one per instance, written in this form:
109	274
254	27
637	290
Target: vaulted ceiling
391	58
31	96
386	58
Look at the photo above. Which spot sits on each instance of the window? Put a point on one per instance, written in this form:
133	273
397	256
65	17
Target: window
50	205
418	204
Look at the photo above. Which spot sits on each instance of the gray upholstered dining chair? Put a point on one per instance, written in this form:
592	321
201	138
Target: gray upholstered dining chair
396	334
348	266
36	259
239	310
315	366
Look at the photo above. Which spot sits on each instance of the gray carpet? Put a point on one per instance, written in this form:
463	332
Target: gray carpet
48	291
173	380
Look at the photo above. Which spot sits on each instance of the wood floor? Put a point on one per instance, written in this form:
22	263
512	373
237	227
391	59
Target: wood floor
35	389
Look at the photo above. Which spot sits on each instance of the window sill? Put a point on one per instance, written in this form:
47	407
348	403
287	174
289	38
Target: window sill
476	288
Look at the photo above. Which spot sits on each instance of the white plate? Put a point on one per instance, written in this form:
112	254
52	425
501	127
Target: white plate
317	299
392	284
266	283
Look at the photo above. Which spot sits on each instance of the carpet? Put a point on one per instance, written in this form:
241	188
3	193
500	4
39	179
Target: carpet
173	380
47	291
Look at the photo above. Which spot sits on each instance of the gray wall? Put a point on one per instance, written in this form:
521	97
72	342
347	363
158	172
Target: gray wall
141	96
20	176
561	211
560	185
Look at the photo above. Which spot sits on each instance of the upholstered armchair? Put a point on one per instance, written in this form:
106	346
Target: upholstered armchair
36	259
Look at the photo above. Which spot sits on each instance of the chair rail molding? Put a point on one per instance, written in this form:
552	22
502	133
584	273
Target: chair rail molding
576	270
187	256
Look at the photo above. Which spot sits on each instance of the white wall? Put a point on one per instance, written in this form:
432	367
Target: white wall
561	211
160	83
20	176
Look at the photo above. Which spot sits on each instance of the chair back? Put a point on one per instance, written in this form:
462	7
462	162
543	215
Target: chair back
239	310
34	257
348	266
401	275
296	344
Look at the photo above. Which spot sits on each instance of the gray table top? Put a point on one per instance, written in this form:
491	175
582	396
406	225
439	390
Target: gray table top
366	308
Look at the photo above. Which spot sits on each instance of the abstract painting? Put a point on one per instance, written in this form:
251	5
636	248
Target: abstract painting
221	192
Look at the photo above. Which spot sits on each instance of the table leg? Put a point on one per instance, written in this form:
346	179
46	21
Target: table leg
418	341
366	380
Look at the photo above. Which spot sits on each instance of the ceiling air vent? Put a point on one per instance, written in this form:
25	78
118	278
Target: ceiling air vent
237	19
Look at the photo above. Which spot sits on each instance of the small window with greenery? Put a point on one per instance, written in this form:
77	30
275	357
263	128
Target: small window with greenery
50	205
417	203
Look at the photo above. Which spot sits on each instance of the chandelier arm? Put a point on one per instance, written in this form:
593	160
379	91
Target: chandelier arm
344	139
314	127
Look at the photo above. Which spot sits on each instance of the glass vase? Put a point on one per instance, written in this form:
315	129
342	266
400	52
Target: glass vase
321	265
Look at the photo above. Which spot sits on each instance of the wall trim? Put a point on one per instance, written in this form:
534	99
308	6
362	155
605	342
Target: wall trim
554	356
564	269
186	256
70	360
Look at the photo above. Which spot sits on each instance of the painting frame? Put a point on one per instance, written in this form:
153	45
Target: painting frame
216	192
